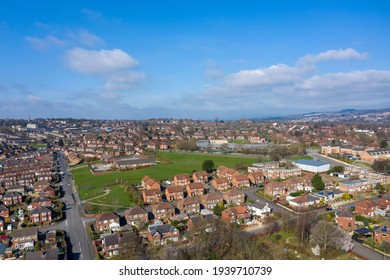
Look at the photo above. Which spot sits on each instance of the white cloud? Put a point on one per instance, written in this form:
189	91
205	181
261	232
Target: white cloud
99	62
299	87
332	55
276	74
124	81
85	38
44	43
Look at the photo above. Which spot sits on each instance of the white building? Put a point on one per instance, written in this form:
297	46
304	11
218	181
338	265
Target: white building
314	166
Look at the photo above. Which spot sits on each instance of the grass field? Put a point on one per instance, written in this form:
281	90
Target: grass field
300	157
171	163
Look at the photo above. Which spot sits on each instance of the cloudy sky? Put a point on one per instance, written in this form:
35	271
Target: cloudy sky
192	59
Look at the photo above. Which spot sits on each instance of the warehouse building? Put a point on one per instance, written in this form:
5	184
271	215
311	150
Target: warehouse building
314	166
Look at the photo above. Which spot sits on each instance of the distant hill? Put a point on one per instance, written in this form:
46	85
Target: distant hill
345	115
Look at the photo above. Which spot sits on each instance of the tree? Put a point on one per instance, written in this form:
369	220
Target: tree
218	210
383	144
224	148
208	165
317	182
61	142
382	166
327	235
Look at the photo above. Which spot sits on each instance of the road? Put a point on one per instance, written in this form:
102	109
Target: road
80	244
368	253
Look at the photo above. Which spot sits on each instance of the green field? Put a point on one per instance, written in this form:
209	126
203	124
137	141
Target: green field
171	163
300	157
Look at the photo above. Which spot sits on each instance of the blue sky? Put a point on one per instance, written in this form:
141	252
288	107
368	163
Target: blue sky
192	59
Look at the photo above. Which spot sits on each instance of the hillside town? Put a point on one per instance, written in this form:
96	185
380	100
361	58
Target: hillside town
337	172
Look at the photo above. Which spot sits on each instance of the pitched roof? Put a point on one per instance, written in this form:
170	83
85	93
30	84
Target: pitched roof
194	186
163	205
25	232
344	213
106	216
136	211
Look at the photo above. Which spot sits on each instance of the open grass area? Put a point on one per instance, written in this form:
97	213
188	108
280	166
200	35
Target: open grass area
300	157
171	163
239	141
117	196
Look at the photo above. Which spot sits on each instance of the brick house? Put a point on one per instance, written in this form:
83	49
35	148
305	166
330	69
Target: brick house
382	234
174	193
239	214
163	210
151	196
160	234
220	184
107	222
200	177
256	177
189	205
40	215
12	198
234	197
345	219
25	238
181	180
240	181
366	207
385	201
114	243
203	221
136	216
195	189
150	183
40	202
304	201
4	211
228	173
40	185
48	191
210	200
288	186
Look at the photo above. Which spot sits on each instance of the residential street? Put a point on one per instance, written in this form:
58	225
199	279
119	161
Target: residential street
75	226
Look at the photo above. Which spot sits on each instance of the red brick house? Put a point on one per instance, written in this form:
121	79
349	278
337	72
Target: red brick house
114	243
163	210
181	180
200	177
12	198
220	184
239	214
240	181
195	189
256	177
345	219
150	183
174	193
189	205
40	215
40	185
228	173
25	238
136	216
234	197
151	196
385	201
210	200
382	234
366	207
107	222
4	211
160	234
48	191
40	202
